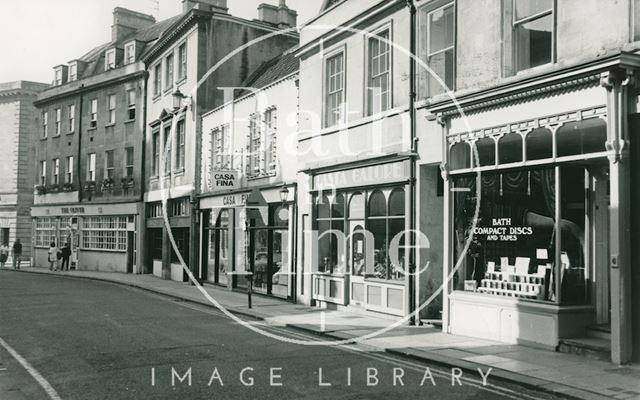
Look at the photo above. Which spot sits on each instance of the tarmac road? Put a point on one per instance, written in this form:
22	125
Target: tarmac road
65	338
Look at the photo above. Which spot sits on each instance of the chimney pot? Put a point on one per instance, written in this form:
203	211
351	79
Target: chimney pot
126	22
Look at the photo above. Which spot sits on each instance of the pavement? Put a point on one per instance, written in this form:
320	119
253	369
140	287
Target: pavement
555	373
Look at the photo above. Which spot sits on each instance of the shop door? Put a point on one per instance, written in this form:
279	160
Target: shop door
599	229
130	247
260	260
357	262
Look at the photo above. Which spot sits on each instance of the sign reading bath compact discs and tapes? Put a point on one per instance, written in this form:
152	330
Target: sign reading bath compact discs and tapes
502	230
224	180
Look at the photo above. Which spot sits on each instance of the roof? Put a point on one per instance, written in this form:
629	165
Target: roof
147	36
272	71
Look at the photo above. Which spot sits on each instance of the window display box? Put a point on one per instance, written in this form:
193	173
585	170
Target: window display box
513	320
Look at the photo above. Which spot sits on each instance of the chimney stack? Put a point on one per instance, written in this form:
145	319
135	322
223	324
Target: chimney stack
208	5
126	22
281	15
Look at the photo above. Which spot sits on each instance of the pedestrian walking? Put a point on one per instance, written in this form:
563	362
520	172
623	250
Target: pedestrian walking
17	254
66	253
53	257
4	254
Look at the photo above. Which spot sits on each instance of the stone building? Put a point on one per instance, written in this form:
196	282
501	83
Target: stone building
248	186
539	154
206	54
89	151
18	125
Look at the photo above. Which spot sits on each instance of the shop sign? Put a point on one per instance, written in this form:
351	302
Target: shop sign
224	179
72	210
235	200
502	230
371	175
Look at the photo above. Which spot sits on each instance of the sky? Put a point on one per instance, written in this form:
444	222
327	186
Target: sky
40	34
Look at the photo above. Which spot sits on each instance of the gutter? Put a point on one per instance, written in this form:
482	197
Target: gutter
78	164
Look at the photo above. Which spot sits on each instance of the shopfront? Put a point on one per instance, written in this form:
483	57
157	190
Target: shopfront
92	231
527	220
359	219
247	238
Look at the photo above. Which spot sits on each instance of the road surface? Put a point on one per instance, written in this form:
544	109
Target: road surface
66	338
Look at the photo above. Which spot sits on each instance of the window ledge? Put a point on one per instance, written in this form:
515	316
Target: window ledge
71	132
181	81
128	121
110	125
92	128
168	90
178	172
56	135
156	97
43	138
261	176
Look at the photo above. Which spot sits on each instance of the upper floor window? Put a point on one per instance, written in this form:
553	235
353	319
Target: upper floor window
221	147
69	169
131	105
130	53
168	81
166	151
110	59
55	178
180	150
109	165
45	122
379	88
43	173
254	164
157	79
73	72
335	90
271	129
91	167
155	145
128	162
529	34
182	61
71	110
112	109
93	120
58	77
58	120
437	32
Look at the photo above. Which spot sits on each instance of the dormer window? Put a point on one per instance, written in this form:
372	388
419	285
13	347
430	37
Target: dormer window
58	77
110	59
73	72
130	53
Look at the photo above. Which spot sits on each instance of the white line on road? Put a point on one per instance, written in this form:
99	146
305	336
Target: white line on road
51	392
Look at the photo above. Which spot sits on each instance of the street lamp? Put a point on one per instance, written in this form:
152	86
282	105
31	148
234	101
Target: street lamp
284	194
180	100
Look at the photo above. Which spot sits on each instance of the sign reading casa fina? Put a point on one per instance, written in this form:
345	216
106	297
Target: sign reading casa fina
221	180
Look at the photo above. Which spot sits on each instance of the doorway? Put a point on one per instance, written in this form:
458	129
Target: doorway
599	242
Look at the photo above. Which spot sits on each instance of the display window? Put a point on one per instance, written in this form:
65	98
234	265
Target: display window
524	209
351	223
218	258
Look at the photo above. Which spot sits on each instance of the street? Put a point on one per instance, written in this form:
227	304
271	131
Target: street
93	340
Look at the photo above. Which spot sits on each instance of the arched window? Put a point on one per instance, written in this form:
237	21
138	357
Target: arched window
330	222
582	137
486	148
337	206
323	207
539	144
356	207
510	148
281	216
377	204
396	203
460	156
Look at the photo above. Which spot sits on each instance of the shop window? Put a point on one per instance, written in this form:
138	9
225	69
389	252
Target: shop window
539	144
45	231
510	148
181	237
511	250
396	203
330	218
104	233
155	244
357	242
384	228
460	156
486	149
356	207
582	137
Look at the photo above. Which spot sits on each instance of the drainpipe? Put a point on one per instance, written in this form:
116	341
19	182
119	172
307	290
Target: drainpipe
413	320
78	164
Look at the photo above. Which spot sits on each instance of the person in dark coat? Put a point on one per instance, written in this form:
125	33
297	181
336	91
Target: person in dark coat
66	253
17	253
